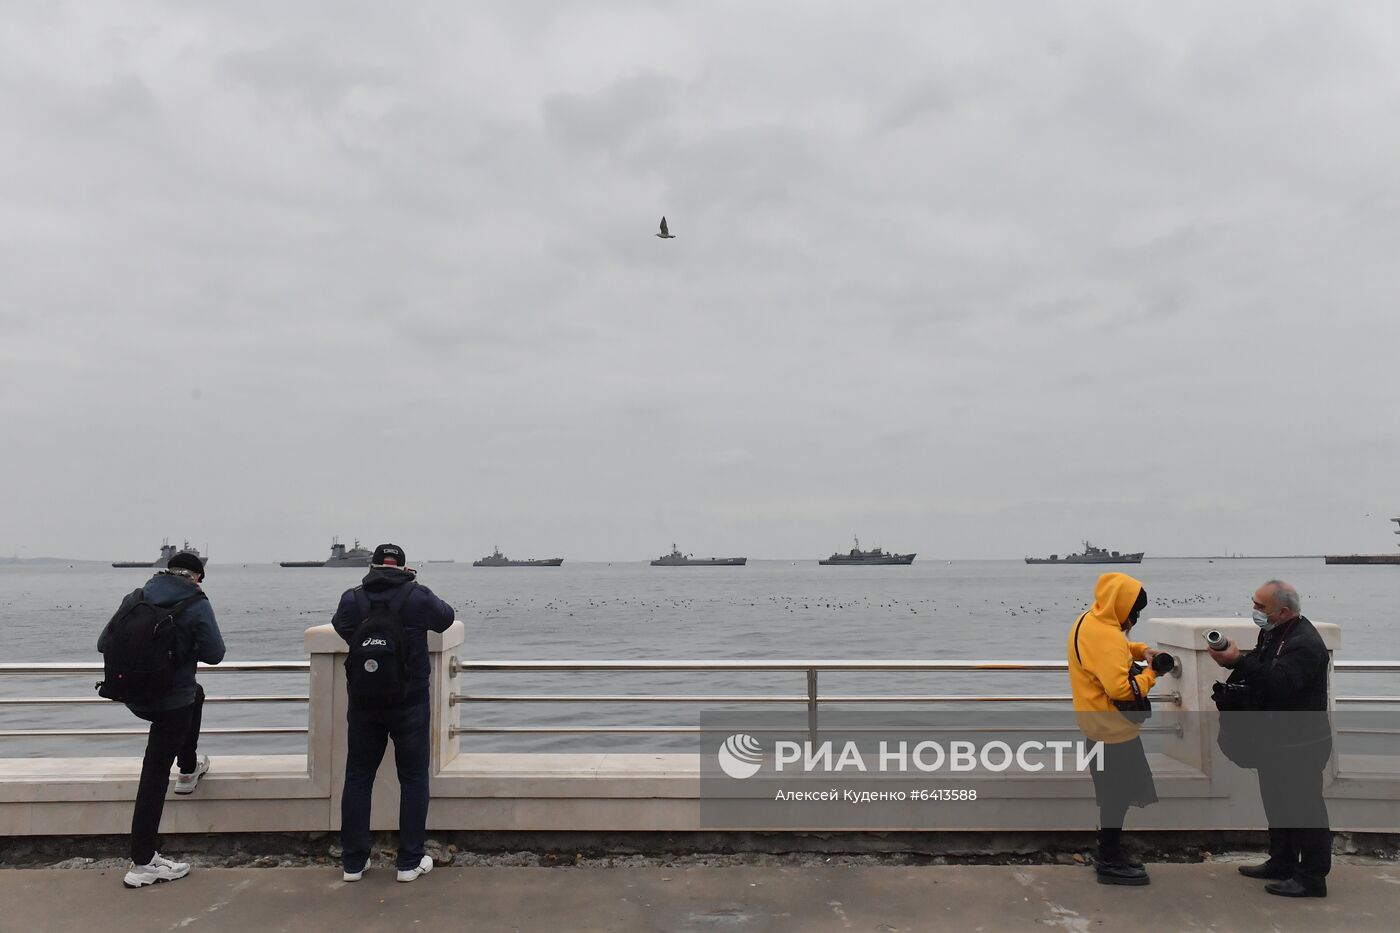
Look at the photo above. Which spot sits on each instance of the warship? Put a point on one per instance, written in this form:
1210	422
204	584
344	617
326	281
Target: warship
1365	558
1090	555
497	559
877	556
677	559
356	556
167	551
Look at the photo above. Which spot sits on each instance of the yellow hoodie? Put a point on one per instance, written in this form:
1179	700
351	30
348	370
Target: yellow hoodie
1098	672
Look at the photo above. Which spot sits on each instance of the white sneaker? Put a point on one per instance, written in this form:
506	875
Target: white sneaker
412	874
186	783
354	875
160	869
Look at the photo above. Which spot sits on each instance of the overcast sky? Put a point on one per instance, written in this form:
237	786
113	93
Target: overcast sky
969	279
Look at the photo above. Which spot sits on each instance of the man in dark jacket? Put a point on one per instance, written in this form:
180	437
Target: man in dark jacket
175	717
408	723
1286	679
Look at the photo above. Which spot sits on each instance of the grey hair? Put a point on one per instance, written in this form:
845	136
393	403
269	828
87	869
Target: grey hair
1285	596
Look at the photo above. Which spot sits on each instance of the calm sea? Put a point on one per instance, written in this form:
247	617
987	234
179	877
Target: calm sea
769	609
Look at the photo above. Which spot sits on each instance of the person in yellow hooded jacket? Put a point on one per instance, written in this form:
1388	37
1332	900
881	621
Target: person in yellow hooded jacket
1100	668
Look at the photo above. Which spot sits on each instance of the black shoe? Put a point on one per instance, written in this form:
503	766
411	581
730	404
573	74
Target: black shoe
1120	872
1266	870
1295	888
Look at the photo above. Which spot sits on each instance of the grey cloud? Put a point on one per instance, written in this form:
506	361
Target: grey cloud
301	71
930	100
1166	298
752	165
610	119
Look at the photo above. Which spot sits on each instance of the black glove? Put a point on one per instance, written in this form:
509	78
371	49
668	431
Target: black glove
1162	663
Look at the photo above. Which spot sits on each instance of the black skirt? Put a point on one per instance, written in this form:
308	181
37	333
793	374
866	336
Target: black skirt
1126	778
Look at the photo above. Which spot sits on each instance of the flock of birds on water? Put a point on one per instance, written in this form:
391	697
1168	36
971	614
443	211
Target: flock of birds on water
628	608
512	607
525	607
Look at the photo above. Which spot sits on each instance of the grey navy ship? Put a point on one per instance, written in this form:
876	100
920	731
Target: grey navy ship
677	559
1090	555
167	551
1365	558
497	559
877	556
341	556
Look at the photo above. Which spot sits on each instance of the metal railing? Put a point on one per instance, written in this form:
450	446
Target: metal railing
54	668
813	698
1367	667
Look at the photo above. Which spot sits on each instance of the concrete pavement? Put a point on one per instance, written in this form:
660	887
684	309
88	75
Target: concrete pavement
881	899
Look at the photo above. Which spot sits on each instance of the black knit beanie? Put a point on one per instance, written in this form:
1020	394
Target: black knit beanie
184	560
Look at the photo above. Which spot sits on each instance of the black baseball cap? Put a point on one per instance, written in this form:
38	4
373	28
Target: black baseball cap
389	555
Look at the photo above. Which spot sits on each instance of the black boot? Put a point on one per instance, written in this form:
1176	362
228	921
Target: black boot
1120	872
1111	848
1269	870
1112	866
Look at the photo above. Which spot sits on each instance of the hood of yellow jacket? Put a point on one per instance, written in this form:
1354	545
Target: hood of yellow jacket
1114	596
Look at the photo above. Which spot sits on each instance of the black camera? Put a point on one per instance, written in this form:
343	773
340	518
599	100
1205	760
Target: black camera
1162	663
1230	697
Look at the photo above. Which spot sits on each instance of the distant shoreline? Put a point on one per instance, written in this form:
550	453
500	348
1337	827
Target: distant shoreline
24	561
1250	557
43	561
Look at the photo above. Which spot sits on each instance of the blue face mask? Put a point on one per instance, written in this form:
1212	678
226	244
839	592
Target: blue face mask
1261	619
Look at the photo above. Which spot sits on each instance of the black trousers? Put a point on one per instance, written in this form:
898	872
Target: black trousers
1299	833
369	734
174	734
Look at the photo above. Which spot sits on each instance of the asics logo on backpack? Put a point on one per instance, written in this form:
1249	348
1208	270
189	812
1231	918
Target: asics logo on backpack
374	641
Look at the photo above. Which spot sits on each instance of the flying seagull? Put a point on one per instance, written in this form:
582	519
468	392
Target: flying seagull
665	234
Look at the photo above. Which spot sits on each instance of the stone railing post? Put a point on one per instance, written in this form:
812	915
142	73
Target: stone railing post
443	651
325	738
326	742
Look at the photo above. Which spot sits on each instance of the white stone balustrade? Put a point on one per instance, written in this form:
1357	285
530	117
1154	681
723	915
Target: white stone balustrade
534	792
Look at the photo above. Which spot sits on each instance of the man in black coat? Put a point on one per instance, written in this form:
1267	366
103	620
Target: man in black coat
390	580
1286	675
175	717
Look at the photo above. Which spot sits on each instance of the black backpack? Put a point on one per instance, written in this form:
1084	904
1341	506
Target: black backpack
138	657
376	669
